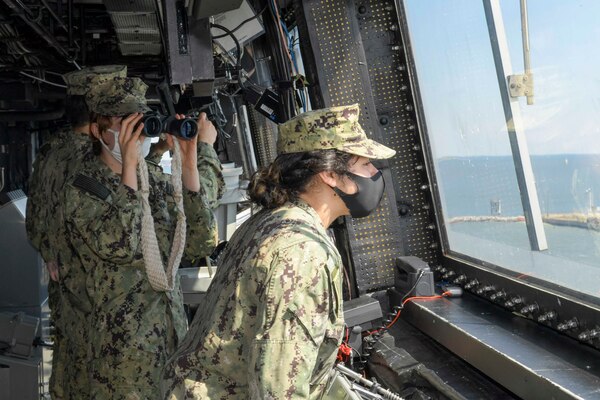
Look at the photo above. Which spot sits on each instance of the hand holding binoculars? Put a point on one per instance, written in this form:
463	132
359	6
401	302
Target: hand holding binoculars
155	124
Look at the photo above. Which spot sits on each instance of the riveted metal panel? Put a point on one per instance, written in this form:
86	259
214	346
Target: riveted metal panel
393	99
137	29
130	20
265	137
136	49
357	57
138	35
130	5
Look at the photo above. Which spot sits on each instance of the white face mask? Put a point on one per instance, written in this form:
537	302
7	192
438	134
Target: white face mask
116	150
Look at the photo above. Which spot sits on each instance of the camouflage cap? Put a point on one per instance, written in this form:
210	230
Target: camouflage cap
78	82
117	96
329	128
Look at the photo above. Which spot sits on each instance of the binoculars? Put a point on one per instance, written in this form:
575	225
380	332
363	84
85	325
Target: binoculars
155	124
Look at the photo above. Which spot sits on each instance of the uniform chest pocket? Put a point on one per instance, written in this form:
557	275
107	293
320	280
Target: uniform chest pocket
312	324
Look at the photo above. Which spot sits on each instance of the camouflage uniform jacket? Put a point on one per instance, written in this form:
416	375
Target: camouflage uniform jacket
209	169
272	319
132	328
56	161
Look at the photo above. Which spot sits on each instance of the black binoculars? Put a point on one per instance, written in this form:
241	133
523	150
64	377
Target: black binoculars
155	124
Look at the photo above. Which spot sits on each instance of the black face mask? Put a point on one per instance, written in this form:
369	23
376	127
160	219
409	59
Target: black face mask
366	200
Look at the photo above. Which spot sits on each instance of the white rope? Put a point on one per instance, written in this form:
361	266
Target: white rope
162	280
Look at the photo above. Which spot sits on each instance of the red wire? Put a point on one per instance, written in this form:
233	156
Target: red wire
347	335
403	303
345	351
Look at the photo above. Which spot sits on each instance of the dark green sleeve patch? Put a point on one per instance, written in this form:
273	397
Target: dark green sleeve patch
91	186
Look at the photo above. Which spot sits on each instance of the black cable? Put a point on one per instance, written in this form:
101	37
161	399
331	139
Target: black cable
375	338
282	66
421	273
235	40
238	67
242	23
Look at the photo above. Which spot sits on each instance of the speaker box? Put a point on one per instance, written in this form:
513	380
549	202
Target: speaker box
414	277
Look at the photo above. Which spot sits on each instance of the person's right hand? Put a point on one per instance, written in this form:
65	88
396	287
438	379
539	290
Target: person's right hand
207	132
129	139
129	142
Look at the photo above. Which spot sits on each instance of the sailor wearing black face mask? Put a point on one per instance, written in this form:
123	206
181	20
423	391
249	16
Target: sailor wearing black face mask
368	195
274	320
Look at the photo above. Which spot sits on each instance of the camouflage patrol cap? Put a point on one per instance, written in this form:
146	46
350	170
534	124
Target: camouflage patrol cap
329	128
78	82
117	96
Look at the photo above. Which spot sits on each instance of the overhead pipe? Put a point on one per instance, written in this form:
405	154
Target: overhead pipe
25	8
13	115
56	17
19	8
70	15
82	46
37	78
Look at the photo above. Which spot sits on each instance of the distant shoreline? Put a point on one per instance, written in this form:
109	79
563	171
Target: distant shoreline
576	220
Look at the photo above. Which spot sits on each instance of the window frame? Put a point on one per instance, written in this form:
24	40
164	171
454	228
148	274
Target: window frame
568	304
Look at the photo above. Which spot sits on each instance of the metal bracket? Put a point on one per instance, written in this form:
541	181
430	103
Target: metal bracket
521	85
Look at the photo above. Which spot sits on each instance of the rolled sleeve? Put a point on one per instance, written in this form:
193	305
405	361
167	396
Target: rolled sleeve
211	174
201	235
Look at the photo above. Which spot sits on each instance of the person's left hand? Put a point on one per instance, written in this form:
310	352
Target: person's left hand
207	132
189	148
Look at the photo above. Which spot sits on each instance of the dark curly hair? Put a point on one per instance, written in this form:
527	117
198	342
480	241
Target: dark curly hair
290	174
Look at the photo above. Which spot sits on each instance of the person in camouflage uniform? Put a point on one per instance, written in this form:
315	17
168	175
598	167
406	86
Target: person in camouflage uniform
272	319
207	162
132	327
56	160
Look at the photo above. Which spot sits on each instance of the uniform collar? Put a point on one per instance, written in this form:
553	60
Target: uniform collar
312	212
318	224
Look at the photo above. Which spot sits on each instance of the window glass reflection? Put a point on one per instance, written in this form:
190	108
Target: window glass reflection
481	205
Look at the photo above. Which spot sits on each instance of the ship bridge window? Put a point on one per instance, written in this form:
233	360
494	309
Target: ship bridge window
518	184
